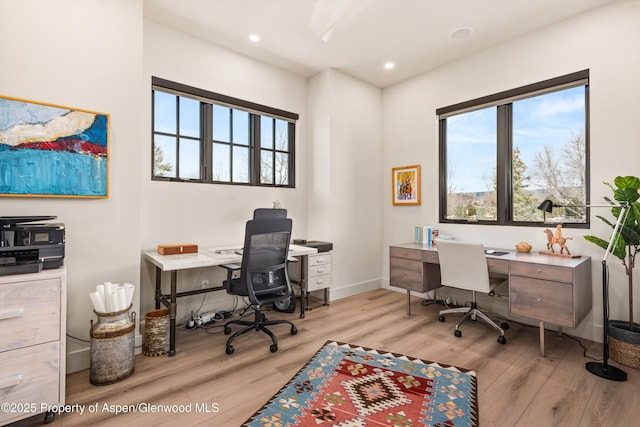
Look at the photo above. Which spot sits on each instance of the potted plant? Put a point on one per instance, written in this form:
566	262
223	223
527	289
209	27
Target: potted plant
624	341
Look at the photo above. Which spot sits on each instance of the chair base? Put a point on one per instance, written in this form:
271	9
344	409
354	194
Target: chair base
259	323
474	313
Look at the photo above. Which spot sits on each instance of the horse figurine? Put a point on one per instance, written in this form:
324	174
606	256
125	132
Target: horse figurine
557	239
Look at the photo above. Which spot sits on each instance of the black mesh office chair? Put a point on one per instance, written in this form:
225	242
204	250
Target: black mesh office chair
263	275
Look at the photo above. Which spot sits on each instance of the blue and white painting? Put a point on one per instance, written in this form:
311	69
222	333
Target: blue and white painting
47	150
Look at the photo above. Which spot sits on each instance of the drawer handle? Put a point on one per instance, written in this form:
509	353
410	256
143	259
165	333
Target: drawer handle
10	381
319	282
539	299
11	314
320	270
538	271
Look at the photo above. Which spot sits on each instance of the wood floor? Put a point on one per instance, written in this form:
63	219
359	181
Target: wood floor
516	387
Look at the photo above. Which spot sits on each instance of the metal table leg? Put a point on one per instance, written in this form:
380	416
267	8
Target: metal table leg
172	314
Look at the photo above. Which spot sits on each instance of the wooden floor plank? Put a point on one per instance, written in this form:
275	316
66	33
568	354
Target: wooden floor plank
516	387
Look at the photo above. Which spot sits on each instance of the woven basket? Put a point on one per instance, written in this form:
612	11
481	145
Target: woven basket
156	333
624	346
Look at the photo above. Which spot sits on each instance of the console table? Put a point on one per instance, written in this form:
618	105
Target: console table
542	287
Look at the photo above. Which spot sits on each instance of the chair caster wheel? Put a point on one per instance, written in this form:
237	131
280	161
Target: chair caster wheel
302	316
273	348
502	339
441	318
49	417
457	333
227	331
294	330
504	325
230	349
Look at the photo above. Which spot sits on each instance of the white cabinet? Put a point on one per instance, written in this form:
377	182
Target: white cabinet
32	345
316	275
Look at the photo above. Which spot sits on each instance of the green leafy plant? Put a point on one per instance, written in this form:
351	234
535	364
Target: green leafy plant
627	242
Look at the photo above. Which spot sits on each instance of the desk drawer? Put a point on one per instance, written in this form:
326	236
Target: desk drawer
30	311
542	300
541	271
318	282
319	259
431	257
319	270
500	266
406	274
414	254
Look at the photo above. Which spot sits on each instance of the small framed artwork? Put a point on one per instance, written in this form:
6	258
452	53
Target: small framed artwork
52	151
405	182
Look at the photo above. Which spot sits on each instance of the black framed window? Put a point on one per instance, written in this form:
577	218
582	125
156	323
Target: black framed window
501	155
201	136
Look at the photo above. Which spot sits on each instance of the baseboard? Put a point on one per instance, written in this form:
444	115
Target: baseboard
79	354
354	289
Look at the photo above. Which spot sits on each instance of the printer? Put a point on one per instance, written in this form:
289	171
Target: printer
29	248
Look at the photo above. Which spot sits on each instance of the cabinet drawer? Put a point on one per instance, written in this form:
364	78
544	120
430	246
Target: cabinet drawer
319	270
30	375
500	266
540	271
319	259
430	257
31	311
414	254
542	300
406	274
319	282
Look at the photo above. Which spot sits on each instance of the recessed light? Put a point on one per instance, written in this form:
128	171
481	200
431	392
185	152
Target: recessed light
389	66
254	38
460	33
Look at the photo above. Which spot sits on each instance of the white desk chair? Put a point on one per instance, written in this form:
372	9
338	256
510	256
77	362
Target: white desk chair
463	265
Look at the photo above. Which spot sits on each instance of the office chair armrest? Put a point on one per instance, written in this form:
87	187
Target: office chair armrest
292	259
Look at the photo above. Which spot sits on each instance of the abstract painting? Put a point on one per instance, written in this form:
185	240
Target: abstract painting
405	183
52	151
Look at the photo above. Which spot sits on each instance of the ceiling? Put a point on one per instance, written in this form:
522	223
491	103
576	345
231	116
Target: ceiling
358	37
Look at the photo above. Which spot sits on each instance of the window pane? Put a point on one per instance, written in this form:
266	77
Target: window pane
549	159
282	169
471	165
189	158
266	132
220	162
240	127
266	167
189	117
240	164
164	112
221	123
164	156
282	135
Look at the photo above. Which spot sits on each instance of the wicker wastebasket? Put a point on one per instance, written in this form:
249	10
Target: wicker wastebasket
156	333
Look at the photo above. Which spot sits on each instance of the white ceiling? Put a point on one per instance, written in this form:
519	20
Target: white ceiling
358	37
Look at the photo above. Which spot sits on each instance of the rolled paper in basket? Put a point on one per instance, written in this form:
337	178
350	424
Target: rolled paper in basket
98	305
107	297
120	298
100	291
128	290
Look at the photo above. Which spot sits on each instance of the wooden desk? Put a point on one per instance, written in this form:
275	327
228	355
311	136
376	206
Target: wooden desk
545	288
207	257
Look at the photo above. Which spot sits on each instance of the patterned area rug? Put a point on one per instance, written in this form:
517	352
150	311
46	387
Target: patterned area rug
347	385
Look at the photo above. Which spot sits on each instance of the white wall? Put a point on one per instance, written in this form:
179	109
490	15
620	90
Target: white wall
69	53
604	41
345	176
213	214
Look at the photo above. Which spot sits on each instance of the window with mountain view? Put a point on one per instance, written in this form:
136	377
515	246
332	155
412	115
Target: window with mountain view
501	155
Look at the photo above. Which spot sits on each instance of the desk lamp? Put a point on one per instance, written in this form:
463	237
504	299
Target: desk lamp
603	369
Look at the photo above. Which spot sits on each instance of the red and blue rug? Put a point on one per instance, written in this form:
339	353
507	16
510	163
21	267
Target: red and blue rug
347	385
